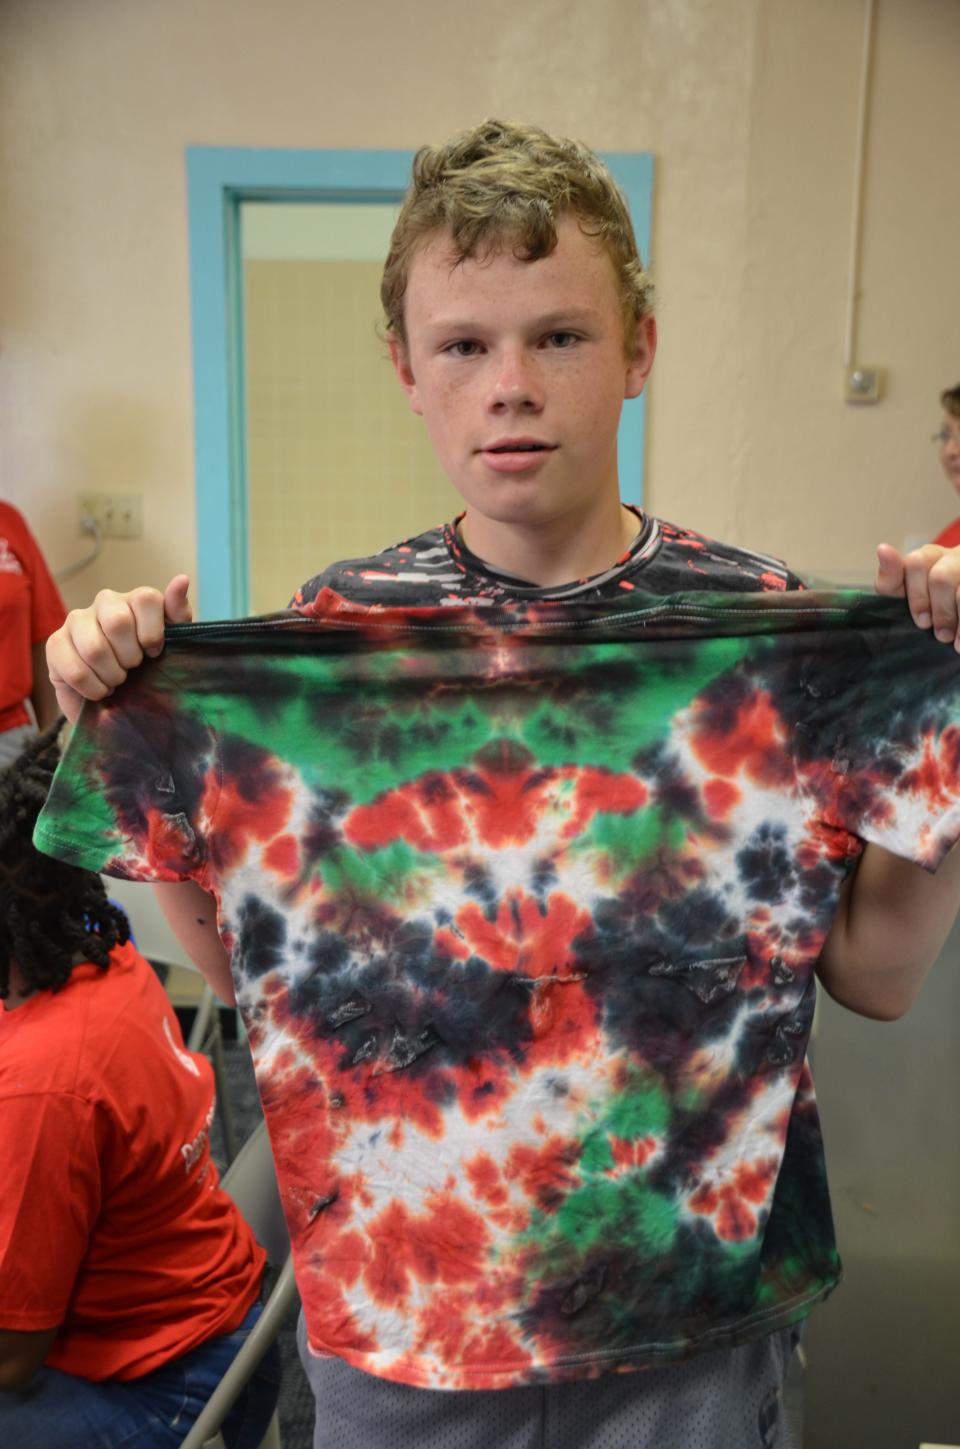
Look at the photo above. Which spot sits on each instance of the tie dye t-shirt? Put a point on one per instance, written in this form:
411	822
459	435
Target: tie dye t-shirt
523	899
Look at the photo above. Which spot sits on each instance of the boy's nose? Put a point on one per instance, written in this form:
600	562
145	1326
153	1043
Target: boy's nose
517	384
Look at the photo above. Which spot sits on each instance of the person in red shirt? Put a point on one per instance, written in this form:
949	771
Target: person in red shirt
948	440
30	609
128	1278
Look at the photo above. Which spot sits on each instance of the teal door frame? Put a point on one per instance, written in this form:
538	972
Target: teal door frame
219	180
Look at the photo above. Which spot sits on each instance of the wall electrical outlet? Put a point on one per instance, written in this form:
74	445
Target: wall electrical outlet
863	384
117	515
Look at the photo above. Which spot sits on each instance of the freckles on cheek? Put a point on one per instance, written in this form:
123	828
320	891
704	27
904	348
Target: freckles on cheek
437	390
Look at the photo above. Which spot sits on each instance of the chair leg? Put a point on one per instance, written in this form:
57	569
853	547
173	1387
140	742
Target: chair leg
223	1096
271	1439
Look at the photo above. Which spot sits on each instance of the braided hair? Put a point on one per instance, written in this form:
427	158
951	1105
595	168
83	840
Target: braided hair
52	915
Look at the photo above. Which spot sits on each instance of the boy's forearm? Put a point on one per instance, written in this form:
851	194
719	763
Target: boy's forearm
893	920
192	916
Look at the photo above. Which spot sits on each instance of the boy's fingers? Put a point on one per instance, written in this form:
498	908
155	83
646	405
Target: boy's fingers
67	697
176	604
146	613
68	700
917	579
154	611
127	621
943	583
96	647
101	647
70	670
890	576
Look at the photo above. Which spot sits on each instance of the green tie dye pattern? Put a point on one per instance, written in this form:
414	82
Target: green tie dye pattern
524	904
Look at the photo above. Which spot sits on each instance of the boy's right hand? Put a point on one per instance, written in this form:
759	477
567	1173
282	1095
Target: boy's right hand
95	648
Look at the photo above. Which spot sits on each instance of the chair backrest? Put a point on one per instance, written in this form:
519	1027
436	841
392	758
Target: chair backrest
205	1018
251	1180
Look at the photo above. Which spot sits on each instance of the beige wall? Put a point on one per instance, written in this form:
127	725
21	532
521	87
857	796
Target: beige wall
348	487
749	107
824	480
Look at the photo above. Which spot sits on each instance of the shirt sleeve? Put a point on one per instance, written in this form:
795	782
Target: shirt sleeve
949	537
47	610
49	1204
137	785
307	593
879	733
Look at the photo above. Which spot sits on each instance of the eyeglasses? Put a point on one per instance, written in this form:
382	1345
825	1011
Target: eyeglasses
944	437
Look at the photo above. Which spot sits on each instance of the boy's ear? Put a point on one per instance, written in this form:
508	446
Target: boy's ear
639	365
401	366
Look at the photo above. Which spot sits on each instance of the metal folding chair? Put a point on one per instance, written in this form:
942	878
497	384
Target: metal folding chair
251	1181
206	1037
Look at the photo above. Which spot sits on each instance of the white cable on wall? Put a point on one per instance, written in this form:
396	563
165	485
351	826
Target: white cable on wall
87	525
856	228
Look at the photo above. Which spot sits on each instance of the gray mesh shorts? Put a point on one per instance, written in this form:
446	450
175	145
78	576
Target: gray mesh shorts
725	1399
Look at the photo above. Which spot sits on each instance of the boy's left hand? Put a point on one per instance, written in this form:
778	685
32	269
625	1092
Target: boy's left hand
929	580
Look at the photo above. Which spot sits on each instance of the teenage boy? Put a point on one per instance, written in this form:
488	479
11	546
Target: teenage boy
526	960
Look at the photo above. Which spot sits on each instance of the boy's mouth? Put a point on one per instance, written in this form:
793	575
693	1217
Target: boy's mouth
516	455
519	445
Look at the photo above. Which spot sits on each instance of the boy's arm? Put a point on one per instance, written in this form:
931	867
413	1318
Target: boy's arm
21	1354
894	916
95	648
192	915
88	656
893	919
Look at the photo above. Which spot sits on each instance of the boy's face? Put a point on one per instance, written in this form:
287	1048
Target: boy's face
519	371
950	449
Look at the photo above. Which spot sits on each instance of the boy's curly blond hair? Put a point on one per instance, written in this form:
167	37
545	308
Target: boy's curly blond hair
507	185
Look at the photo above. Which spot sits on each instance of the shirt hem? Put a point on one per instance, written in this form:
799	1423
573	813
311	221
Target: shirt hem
73	849
130	1361
454	1376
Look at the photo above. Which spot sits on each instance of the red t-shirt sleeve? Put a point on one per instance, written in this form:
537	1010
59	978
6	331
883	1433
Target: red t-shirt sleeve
49	1204
30	610
949	537
47	610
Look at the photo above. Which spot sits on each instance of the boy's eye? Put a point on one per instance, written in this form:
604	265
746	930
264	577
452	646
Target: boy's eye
561	339
463	347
